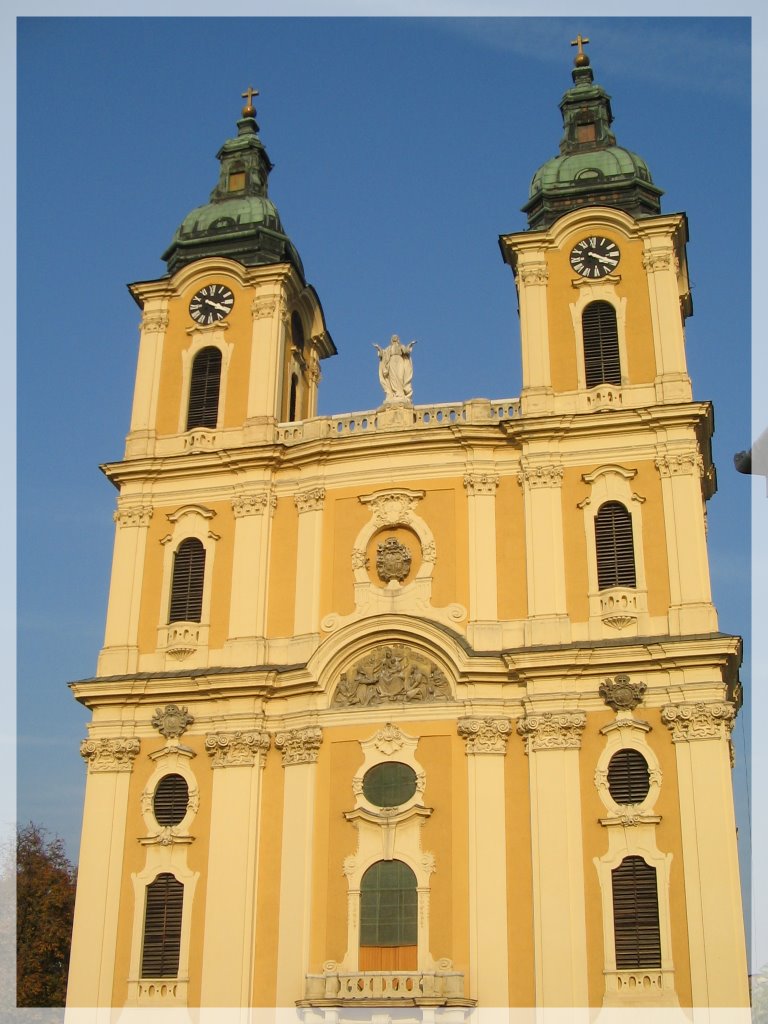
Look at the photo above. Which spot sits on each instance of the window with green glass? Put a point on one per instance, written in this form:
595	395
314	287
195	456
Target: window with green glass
388	905
389	784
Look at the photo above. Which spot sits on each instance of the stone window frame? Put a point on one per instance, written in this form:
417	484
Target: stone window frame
210	337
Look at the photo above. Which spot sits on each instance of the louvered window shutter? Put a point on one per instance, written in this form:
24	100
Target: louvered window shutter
614	546
171	799
162	928
187	585
628	779
203	410
601	344
635	915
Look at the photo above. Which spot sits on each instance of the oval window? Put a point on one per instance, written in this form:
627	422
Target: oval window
628	778
389	784
171	800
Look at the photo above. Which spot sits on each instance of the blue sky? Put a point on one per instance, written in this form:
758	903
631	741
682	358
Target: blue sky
402	149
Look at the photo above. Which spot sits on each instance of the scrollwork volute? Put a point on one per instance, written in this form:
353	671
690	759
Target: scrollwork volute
133	515
699	721
394	674
110	755
299	746
552	730
486	735
233	749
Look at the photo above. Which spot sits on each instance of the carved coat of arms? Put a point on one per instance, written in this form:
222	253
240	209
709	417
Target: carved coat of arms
393	560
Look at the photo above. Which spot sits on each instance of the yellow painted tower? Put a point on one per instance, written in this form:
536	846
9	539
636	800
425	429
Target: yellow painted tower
423	709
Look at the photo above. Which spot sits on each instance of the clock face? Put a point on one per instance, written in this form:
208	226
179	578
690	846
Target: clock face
211	304
595	256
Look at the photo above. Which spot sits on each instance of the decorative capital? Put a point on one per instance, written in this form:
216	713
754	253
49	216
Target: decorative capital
552	730
540	476
685	464
263	308
699	721
253	504
110	755
485	735
533	273
481	483
133	515
660	259
232	749
299	746
154	322
620	694
172	721
311	500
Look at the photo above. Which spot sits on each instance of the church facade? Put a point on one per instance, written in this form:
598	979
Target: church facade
424	708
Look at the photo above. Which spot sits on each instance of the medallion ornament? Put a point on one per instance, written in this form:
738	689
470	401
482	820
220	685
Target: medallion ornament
393	560
391	675
172	721
621	694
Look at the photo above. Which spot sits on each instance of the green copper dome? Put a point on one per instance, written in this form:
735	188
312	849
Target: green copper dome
240	221
591	169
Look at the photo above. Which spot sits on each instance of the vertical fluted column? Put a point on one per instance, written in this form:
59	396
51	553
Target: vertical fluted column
230	901
545	557
483	591
486	741
700	733
100	876
691	609
121	635
552	742
309	549
250	566
299	748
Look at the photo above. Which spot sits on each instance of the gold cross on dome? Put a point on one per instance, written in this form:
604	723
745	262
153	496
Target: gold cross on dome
249	93
579	41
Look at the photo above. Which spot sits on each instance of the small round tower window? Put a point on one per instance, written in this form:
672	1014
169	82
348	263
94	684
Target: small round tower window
171	799
389	784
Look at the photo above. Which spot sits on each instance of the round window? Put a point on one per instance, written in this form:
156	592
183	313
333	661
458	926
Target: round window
389	784
171	799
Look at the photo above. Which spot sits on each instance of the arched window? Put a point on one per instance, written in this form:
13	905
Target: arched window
635	915
297	332
614	546
162	928
628	777
293	397
187	583
388	917
203	410
601	344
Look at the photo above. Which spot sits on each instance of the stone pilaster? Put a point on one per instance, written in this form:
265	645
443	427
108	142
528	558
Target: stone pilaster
120	652
309	504
552	742
230	901
253	511
486	740
481	489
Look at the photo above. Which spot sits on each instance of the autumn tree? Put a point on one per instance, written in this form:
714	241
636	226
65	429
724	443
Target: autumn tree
45	901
